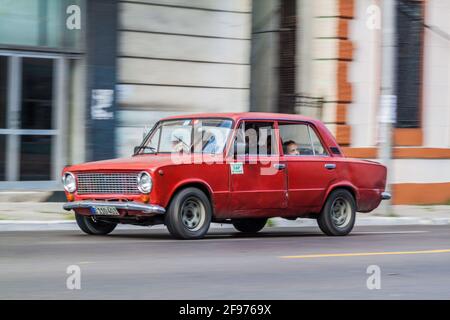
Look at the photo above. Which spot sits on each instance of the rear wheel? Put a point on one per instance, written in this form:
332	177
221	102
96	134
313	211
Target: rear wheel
94	227
249	225
189	214
338	214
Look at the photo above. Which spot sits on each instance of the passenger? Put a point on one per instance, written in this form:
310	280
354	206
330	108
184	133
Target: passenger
291	148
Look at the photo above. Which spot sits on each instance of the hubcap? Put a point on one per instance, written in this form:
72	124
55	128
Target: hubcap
193	213
341	212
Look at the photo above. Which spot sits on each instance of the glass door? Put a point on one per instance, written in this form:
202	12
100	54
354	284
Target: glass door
36	114
31	102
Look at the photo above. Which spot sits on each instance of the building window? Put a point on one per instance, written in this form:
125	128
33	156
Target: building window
409	62
287	56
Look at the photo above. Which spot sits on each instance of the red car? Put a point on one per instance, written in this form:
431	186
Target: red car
238	168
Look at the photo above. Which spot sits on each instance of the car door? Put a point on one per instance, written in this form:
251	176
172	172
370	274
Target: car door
258	180
310	169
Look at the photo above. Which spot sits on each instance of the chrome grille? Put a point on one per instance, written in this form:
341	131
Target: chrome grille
107	183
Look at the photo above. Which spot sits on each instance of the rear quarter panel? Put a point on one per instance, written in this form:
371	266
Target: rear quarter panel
367	178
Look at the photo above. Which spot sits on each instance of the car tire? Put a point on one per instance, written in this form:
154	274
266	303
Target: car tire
249	225
338	214
92	227
189	214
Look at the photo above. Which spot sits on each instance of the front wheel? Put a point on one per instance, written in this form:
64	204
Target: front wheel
189	214
249	225
93	227
338	214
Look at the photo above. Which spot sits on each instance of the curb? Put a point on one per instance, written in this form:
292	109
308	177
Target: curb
368	221
54	225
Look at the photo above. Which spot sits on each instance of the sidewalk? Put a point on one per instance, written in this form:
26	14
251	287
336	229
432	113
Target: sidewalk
51	216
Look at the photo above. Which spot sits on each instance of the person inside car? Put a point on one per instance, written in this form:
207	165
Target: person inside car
291	148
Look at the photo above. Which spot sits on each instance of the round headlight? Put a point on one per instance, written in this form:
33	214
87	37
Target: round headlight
144	182
69	182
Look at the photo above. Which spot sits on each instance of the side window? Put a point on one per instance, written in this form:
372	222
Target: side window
256	138
319	150
300	139
295	139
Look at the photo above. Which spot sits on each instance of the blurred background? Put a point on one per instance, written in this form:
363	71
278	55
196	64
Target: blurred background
79	79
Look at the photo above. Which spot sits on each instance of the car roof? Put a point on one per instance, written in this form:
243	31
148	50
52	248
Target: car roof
245	115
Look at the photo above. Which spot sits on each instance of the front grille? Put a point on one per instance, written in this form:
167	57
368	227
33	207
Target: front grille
107	183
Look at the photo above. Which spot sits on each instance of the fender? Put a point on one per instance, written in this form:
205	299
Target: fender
345	185
187	182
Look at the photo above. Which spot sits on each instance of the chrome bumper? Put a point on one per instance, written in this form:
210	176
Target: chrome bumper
136	206
385	196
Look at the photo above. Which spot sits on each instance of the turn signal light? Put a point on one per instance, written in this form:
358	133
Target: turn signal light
145	198
70	197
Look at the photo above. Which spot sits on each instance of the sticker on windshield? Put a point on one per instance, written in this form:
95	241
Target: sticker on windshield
237	168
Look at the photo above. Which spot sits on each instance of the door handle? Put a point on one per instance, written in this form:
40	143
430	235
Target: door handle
330	166
279	166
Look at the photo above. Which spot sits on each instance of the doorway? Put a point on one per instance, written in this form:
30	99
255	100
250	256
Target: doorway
32	117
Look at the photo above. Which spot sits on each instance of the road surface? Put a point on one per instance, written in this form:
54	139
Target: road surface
278	263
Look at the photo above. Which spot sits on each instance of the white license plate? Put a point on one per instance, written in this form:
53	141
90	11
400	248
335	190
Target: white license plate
105	211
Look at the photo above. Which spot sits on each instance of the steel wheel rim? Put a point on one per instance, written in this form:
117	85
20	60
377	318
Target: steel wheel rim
341	212
193	214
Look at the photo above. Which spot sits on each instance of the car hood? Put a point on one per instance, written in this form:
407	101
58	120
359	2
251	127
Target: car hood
141	162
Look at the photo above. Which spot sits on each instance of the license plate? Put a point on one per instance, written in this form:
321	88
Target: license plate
105	211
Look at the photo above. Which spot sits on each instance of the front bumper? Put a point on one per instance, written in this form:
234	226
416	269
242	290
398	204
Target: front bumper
385	196
131	205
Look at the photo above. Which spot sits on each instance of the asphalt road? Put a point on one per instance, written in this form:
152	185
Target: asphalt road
287	263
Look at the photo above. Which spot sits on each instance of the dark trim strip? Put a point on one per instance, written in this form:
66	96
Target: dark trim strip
182	34
333	59
334	17
266	31
184	60
337	102
179	86
184	7
40	49
331	38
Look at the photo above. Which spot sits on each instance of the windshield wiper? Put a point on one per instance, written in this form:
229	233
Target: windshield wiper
182	141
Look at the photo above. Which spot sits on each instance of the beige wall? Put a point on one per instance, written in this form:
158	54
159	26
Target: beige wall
422	178
364	77
180	56
436	86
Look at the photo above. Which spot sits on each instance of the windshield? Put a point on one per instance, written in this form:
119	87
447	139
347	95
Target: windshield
188	136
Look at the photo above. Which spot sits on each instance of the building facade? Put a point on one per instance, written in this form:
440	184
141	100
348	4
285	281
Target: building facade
347	45
79	80
79	90
40	62
338	62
